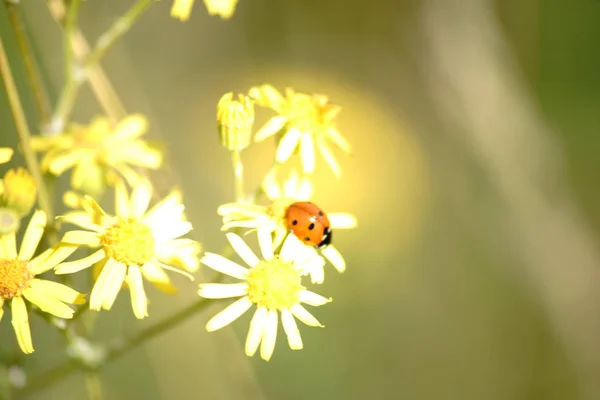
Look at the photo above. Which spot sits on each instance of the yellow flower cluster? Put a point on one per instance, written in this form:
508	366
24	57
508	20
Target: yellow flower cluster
182	9
273	283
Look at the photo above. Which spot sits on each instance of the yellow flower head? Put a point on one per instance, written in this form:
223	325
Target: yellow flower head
182	9
273	285
222	8
235	119
6	154
133	244
97	151
271	218
18	280
303	120
18	191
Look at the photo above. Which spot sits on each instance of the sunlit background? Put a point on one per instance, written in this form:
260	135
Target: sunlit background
473	272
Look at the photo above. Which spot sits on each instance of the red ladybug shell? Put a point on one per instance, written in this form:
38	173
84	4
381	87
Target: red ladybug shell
309	223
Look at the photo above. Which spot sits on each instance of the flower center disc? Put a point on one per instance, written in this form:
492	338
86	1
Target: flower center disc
274	284
15	276
129	242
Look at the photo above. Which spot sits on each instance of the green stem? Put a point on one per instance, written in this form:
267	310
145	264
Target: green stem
106	40
238	172
70	25
23	133
40	95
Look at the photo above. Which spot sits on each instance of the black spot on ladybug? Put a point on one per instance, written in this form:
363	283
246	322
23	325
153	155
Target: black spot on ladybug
320	213
306	238
311	227
295	222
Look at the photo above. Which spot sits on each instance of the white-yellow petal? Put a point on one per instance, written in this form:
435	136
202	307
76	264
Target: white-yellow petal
20	323
9	245
242	249
307	152
339	140
47	303
224	265
291	330
229	314
222	290
255	331
122	208
290	186
140	199
287	145
329	157
58	291
85	238
77	265
342	220
139	301
303	315
51	258
334	257
6	154
312	299
274	125
265	243
33	234
267	344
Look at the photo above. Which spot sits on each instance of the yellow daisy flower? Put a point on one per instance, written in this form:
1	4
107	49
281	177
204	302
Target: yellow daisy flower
303	121
182	9
271	218
132	245
18	280
272	284
97	151
6	154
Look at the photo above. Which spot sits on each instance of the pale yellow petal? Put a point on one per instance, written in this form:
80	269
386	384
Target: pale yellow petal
222	290
292	248
304	316
249	210
334	257
290	186
140	199
78	265
242	249
229	314
312	299
20	323
181	9
280	233
58	291
85	238
6	154
107	286
131	127
47	303
265	243
267	344
139	301
158	277
342	220
224	265
62	163
255	332
271	187
9	245
33	234
169	231
305	189
251	224
287	145
307	151
121	200
291	330
272	126
172	269
339	140
329	157
51	258
317	273
83	220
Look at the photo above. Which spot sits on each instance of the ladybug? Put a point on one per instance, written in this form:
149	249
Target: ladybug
309	223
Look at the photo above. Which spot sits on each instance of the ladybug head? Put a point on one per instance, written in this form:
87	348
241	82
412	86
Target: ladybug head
326	240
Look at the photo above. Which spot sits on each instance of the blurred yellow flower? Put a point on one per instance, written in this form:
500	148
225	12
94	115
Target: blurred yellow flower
303	121
181	9
271	218
235	119
134	244
222	8
18	279
97	151
18	191
273	285
6	154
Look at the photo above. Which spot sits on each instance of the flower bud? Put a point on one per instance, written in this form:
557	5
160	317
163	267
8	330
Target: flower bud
18	191
235	119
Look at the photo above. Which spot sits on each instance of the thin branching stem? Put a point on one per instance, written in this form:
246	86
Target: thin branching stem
23	132
40	95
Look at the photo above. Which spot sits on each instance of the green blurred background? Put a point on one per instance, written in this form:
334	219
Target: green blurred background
473	272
